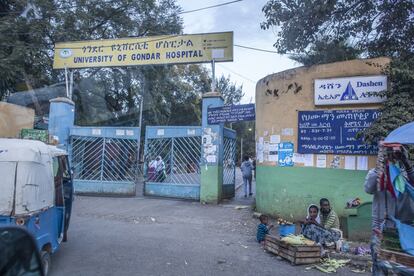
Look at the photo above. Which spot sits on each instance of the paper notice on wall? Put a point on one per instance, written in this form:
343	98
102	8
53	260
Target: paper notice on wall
321	160
287	131
273	147
275	139
336	162
266	146
261	140
273	152
298	158
211	159
207	139
160	132
120	132
273	157
308	160
265	133
96	131
260	157
362	163
130	132
210	149
349	162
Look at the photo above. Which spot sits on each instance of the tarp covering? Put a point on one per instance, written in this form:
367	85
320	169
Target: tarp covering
406	233
7	172
402	135
34	188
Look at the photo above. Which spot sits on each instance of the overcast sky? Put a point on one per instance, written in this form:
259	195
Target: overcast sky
243	18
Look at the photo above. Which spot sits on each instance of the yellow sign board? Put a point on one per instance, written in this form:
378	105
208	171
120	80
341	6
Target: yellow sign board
169	49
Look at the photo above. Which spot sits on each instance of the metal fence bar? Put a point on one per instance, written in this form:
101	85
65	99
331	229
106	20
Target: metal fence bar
182	159
172	159
102	160
229	168
85	154
190	158
105	159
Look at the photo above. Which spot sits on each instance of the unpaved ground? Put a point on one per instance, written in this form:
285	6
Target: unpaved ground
147	236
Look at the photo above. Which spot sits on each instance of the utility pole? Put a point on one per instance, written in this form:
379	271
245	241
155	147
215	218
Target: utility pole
140	111
241	150
213	69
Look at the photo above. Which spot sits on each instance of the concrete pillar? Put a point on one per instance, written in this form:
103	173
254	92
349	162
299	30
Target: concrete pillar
211	153
61	120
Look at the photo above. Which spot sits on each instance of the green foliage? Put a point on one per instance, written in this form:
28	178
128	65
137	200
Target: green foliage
323	52
103	96
399	108
375	28
322	31
246	136
231	93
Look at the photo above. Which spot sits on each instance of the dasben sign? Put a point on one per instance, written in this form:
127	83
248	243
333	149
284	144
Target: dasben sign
352	90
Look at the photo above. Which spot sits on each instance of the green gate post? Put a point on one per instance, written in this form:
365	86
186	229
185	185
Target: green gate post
211	153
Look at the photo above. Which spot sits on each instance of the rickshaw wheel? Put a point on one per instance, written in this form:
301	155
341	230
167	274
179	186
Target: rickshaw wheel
46	261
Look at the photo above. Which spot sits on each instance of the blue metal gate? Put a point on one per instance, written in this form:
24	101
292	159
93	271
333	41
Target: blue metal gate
105	159
229	163
176	173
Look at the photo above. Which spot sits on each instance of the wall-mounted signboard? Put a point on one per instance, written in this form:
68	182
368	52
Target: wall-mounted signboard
334	131
352	90
231	114
167	49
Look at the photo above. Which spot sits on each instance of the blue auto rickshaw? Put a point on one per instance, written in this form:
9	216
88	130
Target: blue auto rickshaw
36	192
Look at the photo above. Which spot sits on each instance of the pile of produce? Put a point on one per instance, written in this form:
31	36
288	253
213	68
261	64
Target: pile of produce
281	221
330	265
297	240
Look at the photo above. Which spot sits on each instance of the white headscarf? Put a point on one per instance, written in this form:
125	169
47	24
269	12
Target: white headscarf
318	219
160	164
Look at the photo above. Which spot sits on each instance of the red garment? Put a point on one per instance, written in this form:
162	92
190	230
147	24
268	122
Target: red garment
389	186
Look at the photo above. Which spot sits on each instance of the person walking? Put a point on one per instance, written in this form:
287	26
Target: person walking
247	168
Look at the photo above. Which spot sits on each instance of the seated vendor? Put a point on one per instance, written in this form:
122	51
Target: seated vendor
326	231
313	216
329	218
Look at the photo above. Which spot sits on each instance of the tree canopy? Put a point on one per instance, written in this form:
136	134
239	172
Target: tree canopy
372	27
103	96
322	31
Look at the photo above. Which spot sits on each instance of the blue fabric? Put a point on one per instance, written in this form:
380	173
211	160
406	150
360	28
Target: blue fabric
397	179
410	190
406	233
261	232
402	135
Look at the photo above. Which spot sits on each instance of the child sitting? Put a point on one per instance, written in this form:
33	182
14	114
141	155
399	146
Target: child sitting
262	228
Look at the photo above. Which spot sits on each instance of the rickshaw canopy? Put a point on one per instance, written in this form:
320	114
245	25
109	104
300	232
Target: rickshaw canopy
27	176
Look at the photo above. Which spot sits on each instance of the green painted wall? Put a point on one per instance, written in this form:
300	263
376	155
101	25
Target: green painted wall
288	191
211	184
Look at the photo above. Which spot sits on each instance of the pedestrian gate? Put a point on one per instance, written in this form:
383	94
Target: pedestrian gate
229	163
104	159
177	172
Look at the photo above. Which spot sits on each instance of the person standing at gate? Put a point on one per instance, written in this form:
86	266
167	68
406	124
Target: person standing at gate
247	169
160	170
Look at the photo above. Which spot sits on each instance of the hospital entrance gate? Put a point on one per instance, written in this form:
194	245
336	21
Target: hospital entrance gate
105	159
229	163
177	172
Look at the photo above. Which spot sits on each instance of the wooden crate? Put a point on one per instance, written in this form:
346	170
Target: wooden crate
397	257
296	254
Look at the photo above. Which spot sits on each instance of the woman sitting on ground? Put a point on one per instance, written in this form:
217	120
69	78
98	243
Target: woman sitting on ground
314	230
